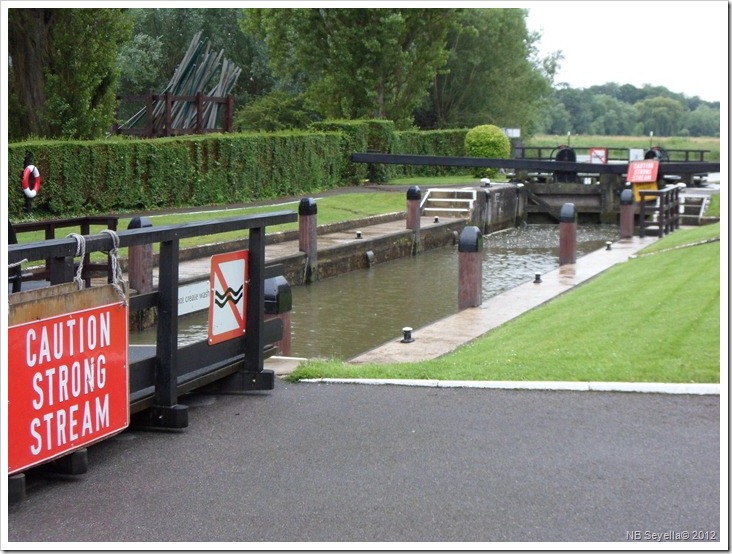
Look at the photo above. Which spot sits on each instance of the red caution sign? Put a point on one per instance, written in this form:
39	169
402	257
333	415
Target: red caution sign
642	175
67	383
643	171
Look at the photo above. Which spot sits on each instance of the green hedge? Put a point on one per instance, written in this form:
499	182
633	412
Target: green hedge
429	143
127	174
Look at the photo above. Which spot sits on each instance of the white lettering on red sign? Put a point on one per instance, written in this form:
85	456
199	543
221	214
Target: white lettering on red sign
645	171
68	383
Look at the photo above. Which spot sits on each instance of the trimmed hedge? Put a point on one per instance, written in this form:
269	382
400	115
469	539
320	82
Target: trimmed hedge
127	174
449	142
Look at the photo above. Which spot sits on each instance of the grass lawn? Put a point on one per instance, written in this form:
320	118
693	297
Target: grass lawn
331	209
457	180
655	318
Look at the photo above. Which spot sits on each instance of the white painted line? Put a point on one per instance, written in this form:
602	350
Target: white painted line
660	388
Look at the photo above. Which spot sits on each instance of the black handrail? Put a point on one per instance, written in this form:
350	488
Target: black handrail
157	382
667	209
49	229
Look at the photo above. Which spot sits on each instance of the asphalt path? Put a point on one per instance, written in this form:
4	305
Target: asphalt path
329	463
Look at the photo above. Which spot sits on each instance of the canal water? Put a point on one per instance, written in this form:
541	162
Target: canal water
344	316
350	314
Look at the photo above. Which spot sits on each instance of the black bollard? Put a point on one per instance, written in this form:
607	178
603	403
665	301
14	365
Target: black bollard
308	212
627	214
470	272
414	198
567	234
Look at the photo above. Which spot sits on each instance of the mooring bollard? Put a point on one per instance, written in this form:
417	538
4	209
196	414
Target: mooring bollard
627	215
470	272
278	305
140	260
308	212
414	198
567	234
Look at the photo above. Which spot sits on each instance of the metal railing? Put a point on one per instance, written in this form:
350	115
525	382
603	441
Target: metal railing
661	209
157	380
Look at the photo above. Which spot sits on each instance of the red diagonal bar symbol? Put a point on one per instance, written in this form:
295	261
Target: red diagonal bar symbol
224	285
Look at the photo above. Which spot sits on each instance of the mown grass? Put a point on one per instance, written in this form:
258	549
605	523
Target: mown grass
655	318
331	209
715	206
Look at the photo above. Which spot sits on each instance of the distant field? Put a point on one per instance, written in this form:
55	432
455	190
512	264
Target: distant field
669	143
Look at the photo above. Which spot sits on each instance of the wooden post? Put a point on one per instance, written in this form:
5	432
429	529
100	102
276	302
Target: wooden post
627	215
149	130
567	234
199	113
470	272
168	114
414	197
229	114
140	260
308	212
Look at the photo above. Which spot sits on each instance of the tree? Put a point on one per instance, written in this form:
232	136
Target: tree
62	82
275	111
611	116
491	75
140	64
660	115
578	104
703	121
356	63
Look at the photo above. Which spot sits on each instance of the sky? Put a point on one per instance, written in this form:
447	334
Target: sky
681	45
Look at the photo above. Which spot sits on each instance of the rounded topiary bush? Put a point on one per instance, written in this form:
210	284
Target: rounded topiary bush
487	141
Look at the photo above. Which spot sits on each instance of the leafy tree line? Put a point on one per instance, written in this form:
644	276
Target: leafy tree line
420	68
613	109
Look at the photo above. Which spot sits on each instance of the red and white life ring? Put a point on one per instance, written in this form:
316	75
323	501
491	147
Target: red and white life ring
31	189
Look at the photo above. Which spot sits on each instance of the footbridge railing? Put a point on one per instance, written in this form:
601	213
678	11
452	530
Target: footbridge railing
158	377
660	209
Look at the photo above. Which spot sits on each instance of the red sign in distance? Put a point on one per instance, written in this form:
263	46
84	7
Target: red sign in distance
67	383
643	171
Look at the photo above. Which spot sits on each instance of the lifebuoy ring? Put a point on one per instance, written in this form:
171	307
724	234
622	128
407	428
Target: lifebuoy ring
30	190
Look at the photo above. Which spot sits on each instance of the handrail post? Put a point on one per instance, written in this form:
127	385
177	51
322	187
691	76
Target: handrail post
166	412
254	345
642	216
662	206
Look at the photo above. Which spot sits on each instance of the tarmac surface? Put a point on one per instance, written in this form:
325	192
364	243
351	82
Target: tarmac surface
317	463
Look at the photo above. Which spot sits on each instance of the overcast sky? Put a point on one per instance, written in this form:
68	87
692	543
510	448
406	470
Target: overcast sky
683	46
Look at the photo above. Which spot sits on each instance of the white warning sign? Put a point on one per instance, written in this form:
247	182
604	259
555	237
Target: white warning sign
227	305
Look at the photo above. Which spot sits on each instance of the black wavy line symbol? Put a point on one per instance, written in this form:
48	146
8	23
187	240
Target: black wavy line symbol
229	295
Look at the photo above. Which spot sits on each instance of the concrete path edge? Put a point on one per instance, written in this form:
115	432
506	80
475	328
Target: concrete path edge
660	388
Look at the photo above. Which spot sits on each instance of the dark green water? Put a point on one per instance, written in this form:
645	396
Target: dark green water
344	316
